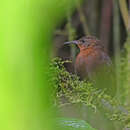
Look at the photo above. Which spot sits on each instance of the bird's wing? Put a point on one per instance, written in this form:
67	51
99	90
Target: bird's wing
106	59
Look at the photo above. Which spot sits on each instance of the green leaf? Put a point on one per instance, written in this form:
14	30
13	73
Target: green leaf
73	124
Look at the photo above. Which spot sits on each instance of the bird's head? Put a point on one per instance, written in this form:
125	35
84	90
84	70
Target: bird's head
85	42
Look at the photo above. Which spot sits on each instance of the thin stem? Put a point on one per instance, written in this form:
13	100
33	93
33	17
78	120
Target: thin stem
82	18
129	18
124	12
116	40
71	33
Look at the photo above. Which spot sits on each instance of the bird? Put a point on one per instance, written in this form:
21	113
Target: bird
94	63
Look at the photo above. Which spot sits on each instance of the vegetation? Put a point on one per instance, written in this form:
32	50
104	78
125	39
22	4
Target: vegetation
70	90
73	124
31	91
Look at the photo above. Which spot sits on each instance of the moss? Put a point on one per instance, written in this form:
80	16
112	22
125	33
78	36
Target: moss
68	88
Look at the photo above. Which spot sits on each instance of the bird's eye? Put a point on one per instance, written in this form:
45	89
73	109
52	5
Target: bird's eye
83	41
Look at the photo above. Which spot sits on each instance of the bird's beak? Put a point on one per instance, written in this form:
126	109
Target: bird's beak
71	42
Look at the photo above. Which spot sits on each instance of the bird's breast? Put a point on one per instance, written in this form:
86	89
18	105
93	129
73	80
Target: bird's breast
83	62
88	61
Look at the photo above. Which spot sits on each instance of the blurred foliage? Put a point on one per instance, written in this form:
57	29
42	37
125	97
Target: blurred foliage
26	30
127	70
68	89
